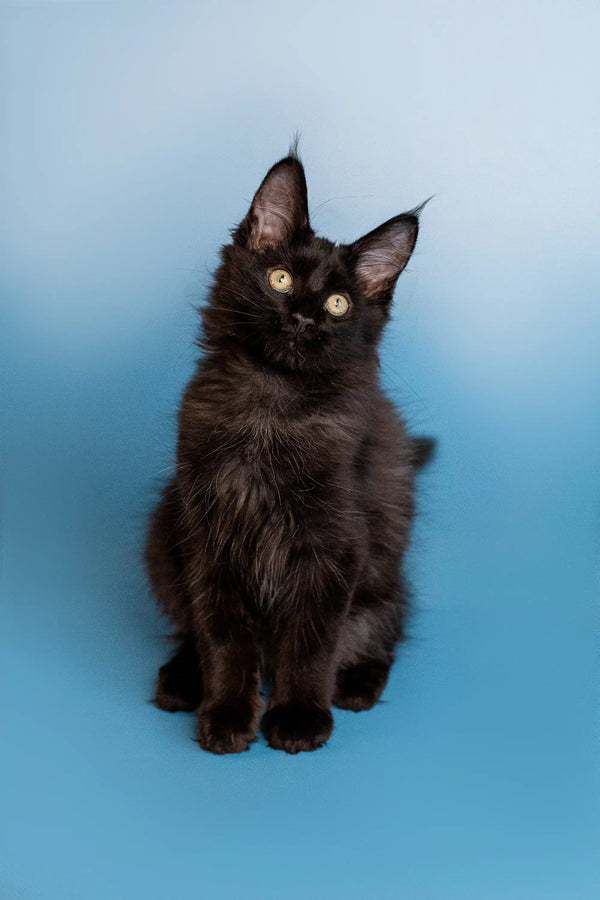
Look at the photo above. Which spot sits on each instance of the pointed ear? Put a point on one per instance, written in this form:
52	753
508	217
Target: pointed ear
381	255
279	209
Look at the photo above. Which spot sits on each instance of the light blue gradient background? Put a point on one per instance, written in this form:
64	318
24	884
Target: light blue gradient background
134	136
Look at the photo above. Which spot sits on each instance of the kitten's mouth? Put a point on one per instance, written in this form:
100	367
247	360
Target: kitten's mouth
295	351
294	346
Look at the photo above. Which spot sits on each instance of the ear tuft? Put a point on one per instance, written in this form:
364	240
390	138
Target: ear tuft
294	144
280	206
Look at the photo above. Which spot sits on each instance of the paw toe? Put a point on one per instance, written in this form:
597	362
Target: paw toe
226	729
296	729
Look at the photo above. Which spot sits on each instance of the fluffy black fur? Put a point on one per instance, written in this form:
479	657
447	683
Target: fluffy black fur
277	546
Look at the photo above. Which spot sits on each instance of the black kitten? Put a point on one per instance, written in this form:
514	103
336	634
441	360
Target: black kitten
277	546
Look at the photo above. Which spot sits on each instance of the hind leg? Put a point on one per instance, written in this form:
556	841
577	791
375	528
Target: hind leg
179	684
366	649
361	685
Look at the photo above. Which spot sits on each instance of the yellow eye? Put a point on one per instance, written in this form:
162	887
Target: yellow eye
337	305
281	280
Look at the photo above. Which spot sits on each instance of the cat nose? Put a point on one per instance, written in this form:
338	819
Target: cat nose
303	321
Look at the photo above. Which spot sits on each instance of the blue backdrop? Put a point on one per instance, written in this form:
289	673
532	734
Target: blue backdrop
134	136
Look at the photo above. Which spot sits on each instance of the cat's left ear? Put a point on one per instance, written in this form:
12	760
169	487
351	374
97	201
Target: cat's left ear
381	255
279	210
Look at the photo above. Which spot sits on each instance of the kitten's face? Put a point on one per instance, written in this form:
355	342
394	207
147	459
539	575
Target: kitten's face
297	307
296	301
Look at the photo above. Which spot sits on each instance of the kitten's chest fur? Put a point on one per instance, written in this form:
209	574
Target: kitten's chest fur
271	449
273	472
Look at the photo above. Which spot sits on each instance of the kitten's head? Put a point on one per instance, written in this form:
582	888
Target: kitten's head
297	301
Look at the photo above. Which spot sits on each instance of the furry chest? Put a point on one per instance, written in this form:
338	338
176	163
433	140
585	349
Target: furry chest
252	528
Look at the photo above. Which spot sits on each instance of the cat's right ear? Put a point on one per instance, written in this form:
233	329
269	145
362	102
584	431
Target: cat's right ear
380	256
279	210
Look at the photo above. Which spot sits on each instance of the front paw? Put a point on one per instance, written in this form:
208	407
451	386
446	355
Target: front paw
228	728
294	728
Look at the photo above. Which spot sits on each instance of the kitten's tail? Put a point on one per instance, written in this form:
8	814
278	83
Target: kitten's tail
423	449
